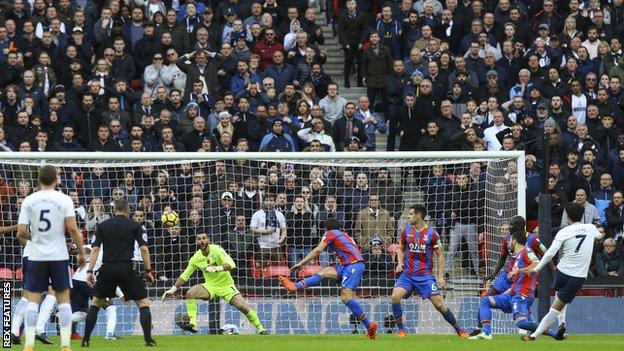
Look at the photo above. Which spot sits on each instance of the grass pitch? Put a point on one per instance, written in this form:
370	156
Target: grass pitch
347	343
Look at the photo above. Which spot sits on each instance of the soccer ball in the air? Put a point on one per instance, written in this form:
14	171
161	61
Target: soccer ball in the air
170	219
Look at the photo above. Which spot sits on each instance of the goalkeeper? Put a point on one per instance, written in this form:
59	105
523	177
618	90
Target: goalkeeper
215	264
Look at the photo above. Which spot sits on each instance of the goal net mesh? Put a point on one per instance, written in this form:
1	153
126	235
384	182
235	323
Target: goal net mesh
469	202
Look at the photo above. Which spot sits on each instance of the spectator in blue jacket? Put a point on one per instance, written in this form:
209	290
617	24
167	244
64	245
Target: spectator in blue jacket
277	140
281	72
390	31
373	122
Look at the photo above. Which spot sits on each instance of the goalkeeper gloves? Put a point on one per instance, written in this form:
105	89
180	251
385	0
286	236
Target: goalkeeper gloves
213	269
169	292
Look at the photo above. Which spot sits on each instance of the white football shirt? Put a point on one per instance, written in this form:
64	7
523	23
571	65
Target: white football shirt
576	242
81	272
45	211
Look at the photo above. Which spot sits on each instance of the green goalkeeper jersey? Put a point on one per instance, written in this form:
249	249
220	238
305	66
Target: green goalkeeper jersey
216	257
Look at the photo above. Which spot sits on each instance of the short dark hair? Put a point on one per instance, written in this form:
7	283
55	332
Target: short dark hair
517	224
332	224
121	205
575	211
520	237
47	175
419	209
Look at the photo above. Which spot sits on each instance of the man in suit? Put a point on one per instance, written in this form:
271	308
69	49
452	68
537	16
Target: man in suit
347	127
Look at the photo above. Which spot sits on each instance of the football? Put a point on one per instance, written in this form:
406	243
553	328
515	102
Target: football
170	219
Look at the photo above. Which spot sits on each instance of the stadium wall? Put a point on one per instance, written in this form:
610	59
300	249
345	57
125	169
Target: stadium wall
591	315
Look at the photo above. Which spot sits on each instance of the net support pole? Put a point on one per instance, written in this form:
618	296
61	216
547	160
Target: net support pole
545	233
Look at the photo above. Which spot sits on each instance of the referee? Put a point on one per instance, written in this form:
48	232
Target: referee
118	235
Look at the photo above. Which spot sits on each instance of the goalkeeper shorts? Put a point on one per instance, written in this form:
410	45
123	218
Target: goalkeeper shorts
226	292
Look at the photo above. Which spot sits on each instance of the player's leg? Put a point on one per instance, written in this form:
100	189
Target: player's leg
92	316
18	318
111	319
436	299
197	292
36	283
79	304
350	277
471	238
145	317
398	293
62	283
548	320
500	285
313	280
240	303
45	311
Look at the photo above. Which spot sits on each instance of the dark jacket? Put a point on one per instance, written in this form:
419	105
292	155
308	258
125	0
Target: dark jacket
351	29
411	124
86	124
376	67
340	130
615	220
606	263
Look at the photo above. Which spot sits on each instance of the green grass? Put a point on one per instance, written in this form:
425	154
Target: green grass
350	343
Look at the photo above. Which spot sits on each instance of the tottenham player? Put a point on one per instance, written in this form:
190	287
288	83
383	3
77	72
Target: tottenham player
48	213
577	244
417	245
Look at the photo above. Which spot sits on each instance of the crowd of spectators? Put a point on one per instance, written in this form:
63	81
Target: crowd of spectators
248	75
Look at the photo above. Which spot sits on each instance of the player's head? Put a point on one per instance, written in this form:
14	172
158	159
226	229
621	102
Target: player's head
121	206
332	224
417	212
519	238
48	175
517	224
202	239
575	212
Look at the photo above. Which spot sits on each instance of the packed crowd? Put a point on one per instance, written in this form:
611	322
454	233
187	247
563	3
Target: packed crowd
247	75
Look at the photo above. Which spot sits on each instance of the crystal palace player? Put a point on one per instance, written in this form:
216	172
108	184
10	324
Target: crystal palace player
48	213
519	298
349	272
577	244
417	245
501	284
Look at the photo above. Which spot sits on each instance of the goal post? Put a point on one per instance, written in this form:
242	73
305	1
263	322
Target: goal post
469	196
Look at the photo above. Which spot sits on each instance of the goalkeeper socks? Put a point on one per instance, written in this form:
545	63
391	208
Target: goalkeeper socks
191	311
111	319
450	318
146	322
32	312
92	316
355	307
485	315
561	318
546	322
397	312
64	316
527	325
45	310
312	280
255	321
18	316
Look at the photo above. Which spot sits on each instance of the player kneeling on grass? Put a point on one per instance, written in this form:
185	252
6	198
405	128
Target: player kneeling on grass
417	245
215	264
519	298
349	272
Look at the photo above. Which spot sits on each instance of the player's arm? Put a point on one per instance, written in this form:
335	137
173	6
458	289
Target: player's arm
147	263
95	253
548	256
182	279
499	265
72	227
22	234
312	255
6	230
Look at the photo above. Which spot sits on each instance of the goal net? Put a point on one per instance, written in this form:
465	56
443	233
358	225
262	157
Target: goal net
470	197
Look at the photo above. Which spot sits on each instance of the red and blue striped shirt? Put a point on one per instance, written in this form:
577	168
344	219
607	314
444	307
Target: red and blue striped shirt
343	246
524	285
533	243
419	247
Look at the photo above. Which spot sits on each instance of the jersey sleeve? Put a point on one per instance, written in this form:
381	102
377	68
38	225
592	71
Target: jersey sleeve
402	240
530	256
189	270
224	258
23	215
328	238
69	207
98	237
537	247
435	240
282	220
140	235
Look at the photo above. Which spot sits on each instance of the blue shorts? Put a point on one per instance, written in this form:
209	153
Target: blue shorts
350	275
424	286
516	305
501	283
566	286
80	295
43	273
24	268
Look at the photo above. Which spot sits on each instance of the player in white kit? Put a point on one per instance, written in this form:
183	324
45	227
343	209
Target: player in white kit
576	242
48	213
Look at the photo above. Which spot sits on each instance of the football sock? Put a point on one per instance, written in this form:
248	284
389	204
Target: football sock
450	318
255	321
485	315
32	312
312	280
18	316
355	307
397	312
561	318
191	311
45	310
479	324
64	316
546	322
111	319
92	316
527	325
146	322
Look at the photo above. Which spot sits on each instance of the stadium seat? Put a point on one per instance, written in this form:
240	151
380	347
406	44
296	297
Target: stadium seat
136	84
309	270
391	250
6	274
19	275
275	271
